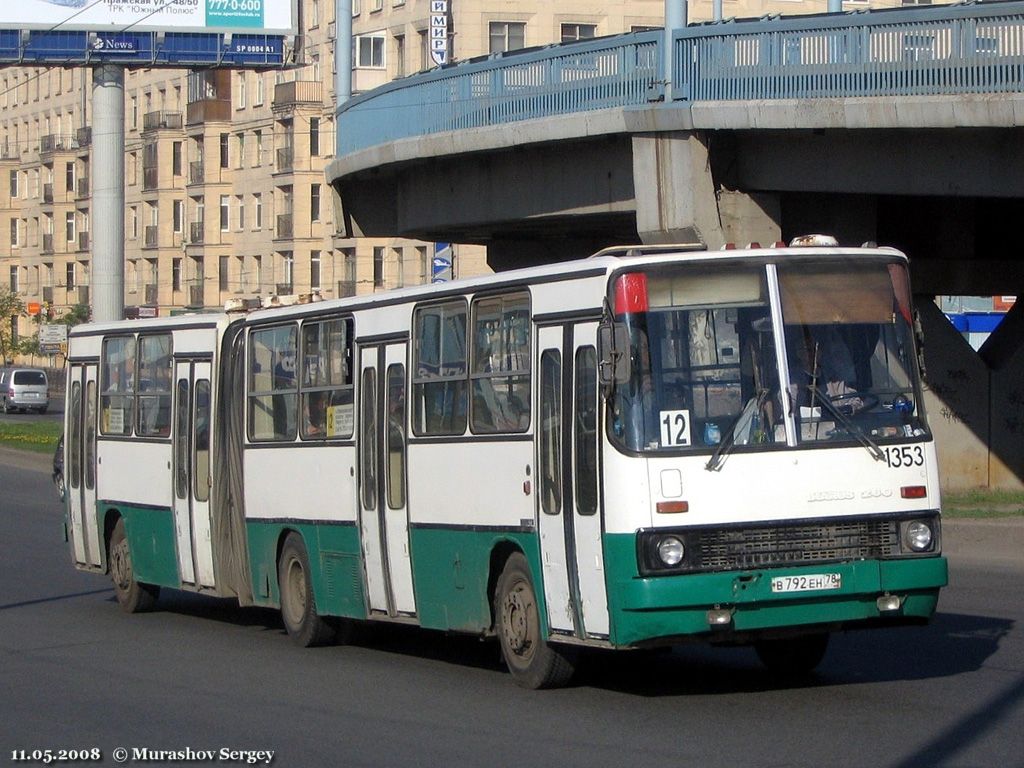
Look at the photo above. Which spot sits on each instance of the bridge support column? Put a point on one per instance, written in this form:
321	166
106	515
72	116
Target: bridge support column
675	194
975	405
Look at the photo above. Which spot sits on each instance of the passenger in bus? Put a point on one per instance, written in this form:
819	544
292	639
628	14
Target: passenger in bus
314	417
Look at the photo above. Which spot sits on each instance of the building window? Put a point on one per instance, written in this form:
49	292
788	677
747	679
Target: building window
258	135
176	158
257	273
314	136
14	279
507	36
572	32
240	139
314	270
242	76
176	274
14	184
224	265
225	213
257	99
70	275
378	267
69	177
314	202
257	204
314	13
369	51
224	151
240	200
69	226
133	222
399	55
14	233
178	210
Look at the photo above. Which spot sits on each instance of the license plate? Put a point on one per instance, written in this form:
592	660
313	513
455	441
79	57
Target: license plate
809	582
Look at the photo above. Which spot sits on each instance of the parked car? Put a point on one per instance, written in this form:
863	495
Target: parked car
24	389
58	468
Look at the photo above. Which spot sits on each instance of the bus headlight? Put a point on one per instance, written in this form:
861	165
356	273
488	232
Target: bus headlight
671	551
918	536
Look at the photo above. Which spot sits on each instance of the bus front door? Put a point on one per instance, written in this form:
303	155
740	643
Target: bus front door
384	513
191	471
567	481
80	464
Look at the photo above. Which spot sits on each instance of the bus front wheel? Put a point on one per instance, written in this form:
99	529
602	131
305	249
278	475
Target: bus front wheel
531	660
305	626
132	596
793	656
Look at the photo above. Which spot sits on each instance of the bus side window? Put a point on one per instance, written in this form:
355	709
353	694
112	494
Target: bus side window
273	387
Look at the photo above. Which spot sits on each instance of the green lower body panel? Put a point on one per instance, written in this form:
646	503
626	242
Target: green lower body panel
649	610
452	570
335	564
151	541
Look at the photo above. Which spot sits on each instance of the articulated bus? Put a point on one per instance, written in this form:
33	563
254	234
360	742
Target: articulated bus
645	447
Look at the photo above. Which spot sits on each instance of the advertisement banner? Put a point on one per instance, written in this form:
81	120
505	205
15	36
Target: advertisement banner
268	16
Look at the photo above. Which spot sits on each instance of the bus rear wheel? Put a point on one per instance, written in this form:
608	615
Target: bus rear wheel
132	596
305	626
793	656
531	660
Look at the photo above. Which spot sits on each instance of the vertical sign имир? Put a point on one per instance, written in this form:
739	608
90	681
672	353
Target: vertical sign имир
439	31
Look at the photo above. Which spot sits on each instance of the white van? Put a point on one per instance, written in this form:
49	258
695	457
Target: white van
24	389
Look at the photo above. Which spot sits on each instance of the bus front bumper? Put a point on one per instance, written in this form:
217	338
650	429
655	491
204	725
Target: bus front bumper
734	605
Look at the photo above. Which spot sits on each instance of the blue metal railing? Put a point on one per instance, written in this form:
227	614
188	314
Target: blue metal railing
973	48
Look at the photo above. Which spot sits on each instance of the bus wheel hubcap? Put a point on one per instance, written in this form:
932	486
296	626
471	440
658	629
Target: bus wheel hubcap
516	621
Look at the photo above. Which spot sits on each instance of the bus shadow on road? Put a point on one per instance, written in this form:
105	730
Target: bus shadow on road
952	644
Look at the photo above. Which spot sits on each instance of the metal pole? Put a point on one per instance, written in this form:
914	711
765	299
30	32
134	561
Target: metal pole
835	6
342	51
717	10
107	192
675	18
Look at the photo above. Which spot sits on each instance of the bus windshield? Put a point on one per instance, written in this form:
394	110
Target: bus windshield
703	357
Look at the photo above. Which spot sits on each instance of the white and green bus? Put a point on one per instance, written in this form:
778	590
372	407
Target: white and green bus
634	450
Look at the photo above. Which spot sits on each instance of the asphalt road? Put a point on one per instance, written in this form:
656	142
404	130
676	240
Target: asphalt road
202	674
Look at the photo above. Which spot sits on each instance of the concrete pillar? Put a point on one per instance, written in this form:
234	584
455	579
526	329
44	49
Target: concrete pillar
107	193
675	18
750	217
956	399
342	51
674	191
1004	353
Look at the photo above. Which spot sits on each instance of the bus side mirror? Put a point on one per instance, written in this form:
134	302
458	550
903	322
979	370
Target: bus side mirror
613	354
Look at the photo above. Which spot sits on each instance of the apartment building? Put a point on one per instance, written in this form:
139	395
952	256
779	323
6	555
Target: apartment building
225	191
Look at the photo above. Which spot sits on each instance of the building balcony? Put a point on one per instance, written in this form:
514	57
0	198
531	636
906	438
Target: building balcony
151	236
83	137
284	289
47	243
284	226
285	159
346	288
150	178
209	111
82	187
47	193
195	172
297	94
83	241
56	142
48	294
152	293
160	120
197	232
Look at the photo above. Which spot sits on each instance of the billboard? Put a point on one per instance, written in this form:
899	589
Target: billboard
257	16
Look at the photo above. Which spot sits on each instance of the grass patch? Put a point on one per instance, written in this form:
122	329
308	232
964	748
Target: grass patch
40	436
980	502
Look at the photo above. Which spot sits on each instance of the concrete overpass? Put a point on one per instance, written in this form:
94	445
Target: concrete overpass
902	127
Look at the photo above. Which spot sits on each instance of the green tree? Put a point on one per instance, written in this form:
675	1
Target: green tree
80	313
11	307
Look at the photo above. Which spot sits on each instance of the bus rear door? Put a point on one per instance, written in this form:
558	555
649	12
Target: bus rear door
80	464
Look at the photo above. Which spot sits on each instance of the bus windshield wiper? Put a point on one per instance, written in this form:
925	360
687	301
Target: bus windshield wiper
729	441
862	437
